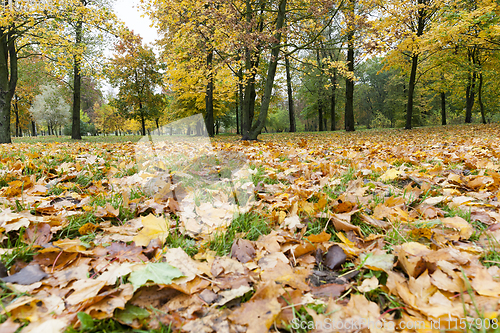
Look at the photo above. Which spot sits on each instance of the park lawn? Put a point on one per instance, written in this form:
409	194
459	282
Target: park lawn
293	232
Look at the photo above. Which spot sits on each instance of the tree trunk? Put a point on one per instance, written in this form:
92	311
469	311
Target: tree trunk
349	90
266	99
443	108
291	113
320	94
333	80
320	114
8	81
77	84
480	98
209	96
241	99
237	112
33	128
411	90
16	112
469	97
143	120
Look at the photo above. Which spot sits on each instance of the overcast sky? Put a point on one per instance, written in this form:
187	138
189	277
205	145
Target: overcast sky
128	11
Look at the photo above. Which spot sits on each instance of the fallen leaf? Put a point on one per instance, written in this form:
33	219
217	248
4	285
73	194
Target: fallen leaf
319	238
154	227
243	250
28	275
460	224
390	174
484	284
9	326
259	313
132	315
335	257
229	295
332	290
369	284
377	262
161	273
180	260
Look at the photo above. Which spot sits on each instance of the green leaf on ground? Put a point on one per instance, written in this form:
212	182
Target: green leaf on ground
161	273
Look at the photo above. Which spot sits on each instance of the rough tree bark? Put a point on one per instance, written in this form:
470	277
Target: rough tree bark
333	80
470	93
291	113
8	81
443	108
209	96
320	93
77	84
349	90
480	98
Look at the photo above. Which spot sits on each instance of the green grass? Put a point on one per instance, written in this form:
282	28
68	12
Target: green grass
249	226
21	251
176	239
334	192
89	325
127	172
55	190
75	223
302	321
83	180
491	256
261	177
397	236
451	212
366	229
136	193
479	228
317	225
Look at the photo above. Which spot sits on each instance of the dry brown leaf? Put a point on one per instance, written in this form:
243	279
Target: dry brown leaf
259	313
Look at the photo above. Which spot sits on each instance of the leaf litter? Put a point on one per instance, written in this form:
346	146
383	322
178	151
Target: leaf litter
379	226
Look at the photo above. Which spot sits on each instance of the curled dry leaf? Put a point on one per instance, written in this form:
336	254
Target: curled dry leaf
334	257
243	250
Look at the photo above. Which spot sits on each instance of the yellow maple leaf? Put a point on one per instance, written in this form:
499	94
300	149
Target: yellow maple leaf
154	227
390	174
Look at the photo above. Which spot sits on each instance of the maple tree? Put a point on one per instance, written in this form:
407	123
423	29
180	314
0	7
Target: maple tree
26	23
12	26
242	36
408	29
469	33
31	75
135	70
194	48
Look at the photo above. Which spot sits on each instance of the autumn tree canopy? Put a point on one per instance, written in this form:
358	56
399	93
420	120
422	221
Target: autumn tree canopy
135	71
243	62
